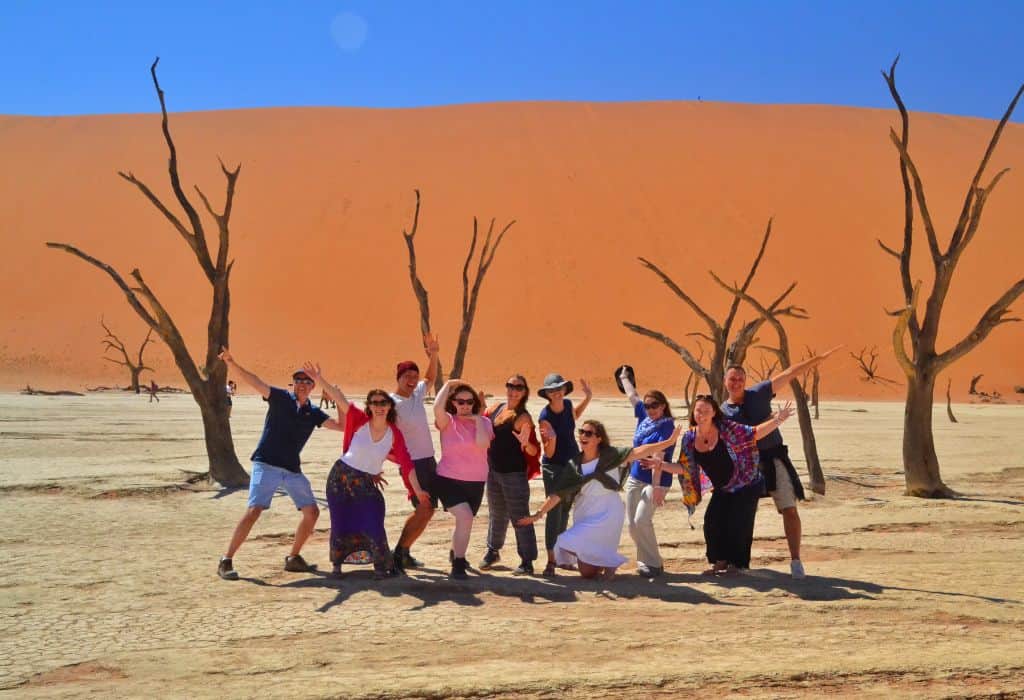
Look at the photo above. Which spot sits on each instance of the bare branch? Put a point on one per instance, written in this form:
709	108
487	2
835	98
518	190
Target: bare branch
734	306
133	300
887	249
922	204
900	329
994	315
869	366
465	271
711	323
688	358
698	334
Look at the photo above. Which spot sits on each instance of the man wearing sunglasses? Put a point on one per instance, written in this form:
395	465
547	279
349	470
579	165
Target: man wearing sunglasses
291	419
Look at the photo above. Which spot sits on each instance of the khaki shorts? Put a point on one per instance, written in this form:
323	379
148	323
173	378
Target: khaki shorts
783	494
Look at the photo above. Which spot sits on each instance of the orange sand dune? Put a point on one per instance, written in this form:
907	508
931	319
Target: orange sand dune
324	193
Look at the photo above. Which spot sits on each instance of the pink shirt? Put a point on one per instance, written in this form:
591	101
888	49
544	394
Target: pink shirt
461	457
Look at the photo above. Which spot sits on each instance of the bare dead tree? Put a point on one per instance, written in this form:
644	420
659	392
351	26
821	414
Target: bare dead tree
206	382
867	361
135	367
422	297
771	315
726	348
474	270
692	386
923	363
949	401
974	383
815	374
765	369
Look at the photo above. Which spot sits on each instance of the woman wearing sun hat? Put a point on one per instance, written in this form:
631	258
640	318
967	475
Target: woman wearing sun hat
557	423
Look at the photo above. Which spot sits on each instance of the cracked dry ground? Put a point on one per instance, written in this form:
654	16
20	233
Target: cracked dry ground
108	587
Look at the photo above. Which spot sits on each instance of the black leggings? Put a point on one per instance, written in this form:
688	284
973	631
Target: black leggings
729	525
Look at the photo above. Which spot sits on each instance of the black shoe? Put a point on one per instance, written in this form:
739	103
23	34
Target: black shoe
297	564
409	561
524	569
648	571
459	566
398	559
383	573
492	557
226	570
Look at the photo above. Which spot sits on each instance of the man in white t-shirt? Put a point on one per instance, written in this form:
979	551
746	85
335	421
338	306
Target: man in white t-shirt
415	427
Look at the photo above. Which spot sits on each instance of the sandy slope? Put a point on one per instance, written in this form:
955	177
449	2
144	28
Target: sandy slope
108	585
324	194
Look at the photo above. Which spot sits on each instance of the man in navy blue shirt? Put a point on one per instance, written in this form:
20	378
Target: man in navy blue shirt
291	418
754	406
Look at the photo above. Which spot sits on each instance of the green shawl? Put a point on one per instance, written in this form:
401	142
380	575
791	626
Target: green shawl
570	480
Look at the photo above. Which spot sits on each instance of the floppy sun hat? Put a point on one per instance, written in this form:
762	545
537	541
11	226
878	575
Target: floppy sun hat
629	373
554	381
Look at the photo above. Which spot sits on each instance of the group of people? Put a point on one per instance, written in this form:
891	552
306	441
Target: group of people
733	449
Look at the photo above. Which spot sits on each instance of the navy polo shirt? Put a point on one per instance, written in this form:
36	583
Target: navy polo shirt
286	430
755	409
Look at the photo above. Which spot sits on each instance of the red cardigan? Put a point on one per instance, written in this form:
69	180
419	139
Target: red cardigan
356	418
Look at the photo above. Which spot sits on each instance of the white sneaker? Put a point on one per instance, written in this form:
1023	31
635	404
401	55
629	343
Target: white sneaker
796	568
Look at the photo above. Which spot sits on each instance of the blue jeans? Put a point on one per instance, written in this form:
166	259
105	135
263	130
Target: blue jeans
266	479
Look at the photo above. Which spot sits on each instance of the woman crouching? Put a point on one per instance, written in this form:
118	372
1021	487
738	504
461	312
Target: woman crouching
598	513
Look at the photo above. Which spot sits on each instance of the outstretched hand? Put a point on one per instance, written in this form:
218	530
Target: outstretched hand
379	481
225	355
313	371
430	344
585	385
523	434
784	411
829	352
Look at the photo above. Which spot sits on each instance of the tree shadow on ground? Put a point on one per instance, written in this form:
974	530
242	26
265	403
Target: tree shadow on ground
819	587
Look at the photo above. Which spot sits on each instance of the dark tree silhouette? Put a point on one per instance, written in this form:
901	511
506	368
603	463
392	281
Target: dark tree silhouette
136	366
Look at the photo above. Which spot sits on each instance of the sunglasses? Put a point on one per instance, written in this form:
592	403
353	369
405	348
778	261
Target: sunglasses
704	397
302	380
651	405
463	402
379	402
586	432
515	387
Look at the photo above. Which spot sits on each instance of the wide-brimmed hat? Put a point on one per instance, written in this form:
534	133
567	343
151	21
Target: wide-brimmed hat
629	373
554	381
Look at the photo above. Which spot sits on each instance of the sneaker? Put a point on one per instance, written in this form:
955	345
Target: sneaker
459	566
796	568
648	571
226	570
524	569
297	564
492	557
409	561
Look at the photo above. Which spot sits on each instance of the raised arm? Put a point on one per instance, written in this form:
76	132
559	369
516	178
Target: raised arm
634	398
777	419
441	419
548	439
644	451
433	348
587	395
523	430
248	377
782	379
313	370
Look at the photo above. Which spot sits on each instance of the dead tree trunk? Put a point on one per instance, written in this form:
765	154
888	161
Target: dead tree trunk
724	350
471	284
206	383
692	386
422	298
974	383
815	384
771	315
135	368
471	291
949	402
923	363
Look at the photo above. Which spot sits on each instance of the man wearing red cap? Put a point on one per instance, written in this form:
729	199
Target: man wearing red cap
291	419
412	421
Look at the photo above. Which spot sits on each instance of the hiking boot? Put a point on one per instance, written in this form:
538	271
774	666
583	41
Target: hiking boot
796	568
297	564
492	557
459	566
524	569
226	570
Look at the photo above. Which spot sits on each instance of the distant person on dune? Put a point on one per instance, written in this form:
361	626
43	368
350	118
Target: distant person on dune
229	392
291	419
152	389
753	406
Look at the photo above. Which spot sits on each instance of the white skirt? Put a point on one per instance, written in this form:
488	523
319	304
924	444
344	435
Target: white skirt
597	518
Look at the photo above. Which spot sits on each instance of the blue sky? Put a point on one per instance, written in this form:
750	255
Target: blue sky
92	57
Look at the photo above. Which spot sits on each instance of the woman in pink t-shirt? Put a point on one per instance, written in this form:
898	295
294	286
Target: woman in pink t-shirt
462	472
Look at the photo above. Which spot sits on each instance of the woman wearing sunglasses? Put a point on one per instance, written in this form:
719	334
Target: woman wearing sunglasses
592	543
654	423
354	484
727	452
462	471
514	449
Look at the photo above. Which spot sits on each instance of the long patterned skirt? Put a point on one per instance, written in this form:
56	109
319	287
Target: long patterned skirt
357	518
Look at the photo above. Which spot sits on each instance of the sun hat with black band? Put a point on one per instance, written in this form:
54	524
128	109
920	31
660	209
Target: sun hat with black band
554	381
629	373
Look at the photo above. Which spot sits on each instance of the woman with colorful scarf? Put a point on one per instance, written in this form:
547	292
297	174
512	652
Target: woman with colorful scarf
727	453
592	481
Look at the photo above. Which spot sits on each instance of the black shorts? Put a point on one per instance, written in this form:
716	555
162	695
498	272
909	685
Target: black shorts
452	492
426	473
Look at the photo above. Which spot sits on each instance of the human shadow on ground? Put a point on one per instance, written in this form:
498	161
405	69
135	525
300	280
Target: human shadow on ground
819	587
433	586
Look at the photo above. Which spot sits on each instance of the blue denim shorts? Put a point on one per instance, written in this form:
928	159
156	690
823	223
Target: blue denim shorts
267	479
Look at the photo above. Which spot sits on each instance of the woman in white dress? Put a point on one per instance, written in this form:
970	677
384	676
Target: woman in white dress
592	543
